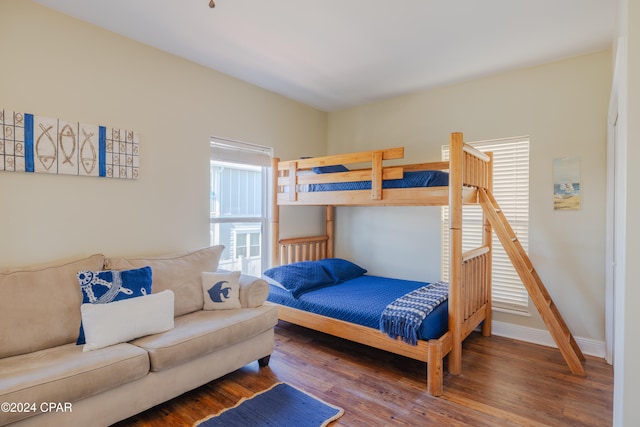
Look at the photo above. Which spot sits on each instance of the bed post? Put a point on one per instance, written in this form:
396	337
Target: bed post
275	215
329	229
435	377
486	241
456	311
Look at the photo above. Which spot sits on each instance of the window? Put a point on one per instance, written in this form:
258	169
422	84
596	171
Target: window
238	203
247	243
511	191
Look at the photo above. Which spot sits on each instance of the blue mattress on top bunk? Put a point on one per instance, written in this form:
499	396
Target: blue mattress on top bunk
430	178
361	301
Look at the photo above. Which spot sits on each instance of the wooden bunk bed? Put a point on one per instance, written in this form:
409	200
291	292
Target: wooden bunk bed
469	304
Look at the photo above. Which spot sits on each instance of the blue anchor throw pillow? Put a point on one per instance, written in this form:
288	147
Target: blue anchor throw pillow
221	290
103	287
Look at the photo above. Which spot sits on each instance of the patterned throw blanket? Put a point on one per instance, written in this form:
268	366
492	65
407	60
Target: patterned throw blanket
403	317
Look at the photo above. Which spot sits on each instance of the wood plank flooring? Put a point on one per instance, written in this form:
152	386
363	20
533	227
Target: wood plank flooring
504	383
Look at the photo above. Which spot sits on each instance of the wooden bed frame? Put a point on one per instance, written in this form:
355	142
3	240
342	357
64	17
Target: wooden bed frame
469	274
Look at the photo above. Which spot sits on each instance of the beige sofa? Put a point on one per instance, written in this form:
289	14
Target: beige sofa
48	380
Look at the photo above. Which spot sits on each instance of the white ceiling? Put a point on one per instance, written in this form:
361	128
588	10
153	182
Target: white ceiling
333	54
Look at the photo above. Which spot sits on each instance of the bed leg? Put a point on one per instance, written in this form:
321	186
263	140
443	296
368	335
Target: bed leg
455	359
486	324
435	374
486	328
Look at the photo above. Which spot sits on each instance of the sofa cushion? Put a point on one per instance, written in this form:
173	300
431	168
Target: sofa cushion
32	297
66	374
203	332
177	272
121	321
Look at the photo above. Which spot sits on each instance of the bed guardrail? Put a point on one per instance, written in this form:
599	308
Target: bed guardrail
288	171
300	249
476	272
476	170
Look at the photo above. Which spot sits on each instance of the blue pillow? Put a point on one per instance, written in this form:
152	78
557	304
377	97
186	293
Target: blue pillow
330	169
300	277
340	269
102	287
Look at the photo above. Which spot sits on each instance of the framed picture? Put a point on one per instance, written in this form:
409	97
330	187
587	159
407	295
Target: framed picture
566	183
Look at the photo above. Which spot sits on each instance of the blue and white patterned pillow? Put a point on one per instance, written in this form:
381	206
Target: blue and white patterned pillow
300	277
340	269
103	287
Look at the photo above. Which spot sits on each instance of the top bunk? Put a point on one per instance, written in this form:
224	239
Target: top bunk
363	179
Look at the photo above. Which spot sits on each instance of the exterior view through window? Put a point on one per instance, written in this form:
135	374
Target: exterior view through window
238	204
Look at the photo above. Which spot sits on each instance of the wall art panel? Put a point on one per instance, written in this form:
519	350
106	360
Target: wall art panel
31	143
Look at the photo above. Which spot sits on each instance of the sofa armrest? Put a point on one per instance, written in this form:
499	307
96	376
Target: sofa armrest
253	291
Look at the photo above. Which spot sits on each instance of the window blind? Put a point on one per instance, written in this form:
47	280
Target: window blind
511	191
228	150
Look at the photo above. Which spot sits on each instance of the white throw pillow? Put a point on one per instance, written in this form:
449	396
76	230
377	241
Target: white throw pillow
221	290
125	320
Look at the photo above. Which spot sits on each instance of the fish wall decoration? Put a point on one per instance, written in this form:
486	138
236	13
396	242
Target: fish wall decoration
31	143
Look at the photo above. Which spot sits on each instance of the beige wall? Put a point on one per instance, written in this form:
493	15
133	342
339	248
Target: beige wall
59	67
562	106
627	345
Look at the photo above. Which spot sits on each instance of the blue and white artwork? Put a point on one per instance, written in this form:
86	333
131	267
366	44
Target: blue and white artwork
31	143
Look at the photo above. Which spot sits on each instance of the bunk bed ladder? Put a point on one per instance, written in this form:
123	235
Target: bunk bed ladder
548	310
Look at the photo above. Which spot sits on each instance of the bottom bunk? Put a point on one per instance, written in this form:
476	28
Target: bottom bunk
336	297
362	301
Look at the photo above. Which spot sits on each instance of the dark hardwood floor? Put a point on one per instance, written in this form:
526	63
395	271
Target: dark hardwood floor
504	383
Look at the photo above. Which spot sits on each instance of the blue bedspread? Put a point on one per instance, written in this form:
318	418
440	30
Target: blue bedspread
431	178
362	301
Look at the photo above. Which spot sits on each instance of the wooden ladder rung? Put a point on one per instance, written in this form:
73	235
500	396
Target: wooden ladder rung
568	336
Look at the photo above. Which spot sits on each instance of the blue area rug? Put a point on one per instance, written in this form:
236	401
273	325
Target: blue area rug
281	405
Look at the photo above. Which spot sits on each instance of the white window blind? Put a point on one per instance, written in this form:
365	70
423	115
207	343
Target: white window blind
228	150
511	191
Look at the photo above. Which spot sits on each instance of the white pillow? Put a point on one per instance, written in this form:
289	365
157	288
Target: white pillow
125	320
221	291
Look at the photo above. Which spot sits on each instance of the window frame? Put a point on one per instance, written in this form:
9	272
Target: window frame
239	154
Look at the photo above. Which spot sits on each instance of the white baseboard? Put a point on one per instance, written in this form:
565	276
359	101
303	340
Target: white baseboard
543	337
